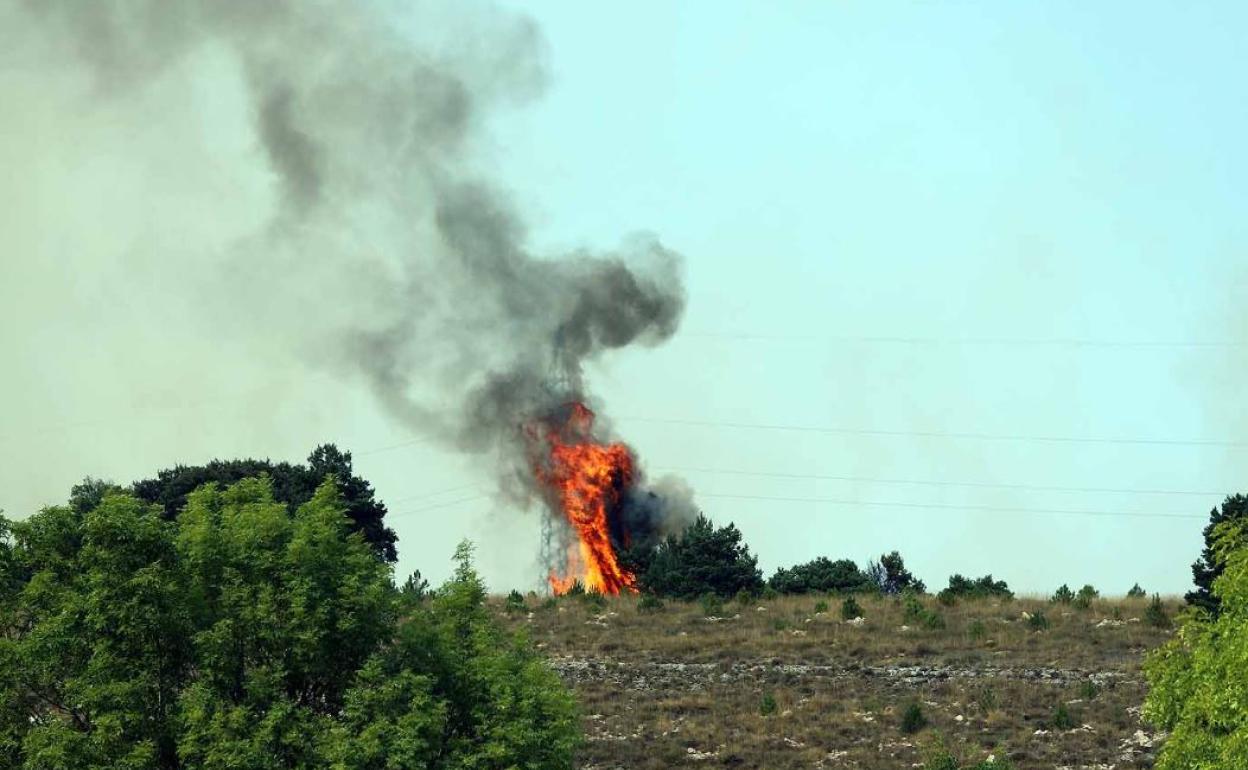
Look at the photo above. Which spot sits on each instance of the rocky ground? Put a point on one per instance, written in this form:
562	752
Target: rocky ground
788	684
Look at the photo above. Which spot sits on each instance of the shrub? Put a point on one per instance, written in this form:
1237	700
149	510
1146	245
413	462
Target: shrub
947	598
933	621
768	593
1063	595
779	624
712	605
1088	689
976	630
1038	622
986	698
594	600
821	606
912	718
1063	719
703	559
890	576
977	588
415	589
912	609
1083	599
744	598
821	575
515	602
649	603
576	589
850	609
1156	615
767	706
1136	592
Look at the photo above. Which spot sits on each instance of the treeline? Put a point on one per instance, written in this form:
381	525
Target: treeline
708	560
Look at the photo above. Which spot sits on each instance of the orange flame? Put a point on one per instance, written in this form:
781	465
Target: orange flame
586	479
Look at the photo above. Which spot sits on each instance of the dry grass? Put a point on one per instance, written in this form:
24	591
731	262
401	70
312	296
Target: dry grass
674	688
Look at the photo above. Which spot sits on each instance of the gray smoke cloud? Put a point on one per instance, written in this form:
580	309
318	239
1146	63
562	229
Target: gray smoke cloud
367	237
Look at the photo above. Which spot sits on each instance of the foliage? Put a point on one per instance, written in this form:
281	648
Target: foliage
912	718
1083	599
976	588
1038	622
1063	595
891	577
649	603
415	588
976	630
1198	680
850	609
1156	615
821	575
940	758
1062	718
1208	567
712	605
821	607
703	559
1136	592
293	485
515	602
242	636
1088	689
767	706
744	598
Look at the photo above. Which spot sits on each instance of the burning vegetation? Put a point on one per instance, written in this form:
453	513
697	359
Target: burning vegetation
586	483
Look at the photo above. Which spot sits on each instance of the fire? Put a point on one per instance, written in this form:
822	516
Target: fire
586	479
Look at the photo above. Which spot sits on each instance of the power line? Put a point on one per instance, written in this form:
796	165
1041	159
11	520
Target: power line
946	506
433	494
436	505
942	434
1067	342
967	484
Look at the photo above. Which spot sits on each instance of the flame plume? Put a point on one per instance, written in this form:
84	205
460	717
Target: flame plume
585	481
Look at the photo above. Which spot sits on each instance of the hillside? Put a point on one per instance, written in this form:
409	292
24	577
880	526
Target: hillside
786	683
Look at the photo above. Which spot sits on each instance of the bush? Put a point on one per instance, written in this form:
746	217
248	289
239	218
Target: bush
594	600
820	607
768	593
744	598
1063	595
767	706
712	605
649	603
977	588
1088	689
1198	683
912	718
703	559
515	602
1038	622
933	621
976	630
1083	599
240	635
911	608
821	576
1136	592
1156	615
1063	719
850	609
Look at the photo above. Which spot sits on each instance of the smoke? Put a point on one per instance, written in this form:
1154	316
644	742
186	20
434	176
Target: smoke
333	205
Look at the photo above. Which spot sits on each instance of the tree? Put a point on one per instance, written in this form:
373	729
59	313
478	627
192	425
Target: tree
1198	681
961	587
293	485
1206	569
821	575
239	635
891	576
703	559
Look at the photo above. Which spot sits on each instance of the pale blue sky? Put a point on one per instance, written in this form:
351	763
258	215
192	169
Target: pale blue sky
1009	222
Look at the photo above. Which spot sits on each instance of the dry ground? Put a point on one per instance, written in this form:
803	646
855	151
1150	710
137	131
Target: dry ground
674	688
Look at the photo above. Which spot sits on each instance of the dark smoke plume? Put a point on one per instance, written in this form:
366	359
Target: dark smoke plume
384	249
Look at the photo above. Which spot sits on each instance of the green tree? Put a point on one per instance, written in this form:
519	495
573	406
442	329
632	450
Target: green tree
704	559
891	576
1207	568
961	587
1198	681
293	485
240	636
820	575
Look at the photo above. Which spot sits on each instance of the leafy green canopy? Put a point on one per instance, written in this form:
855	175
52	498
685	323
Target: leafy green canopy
891	576
704	560
821	575
1199	680
975	588
293	484
240	637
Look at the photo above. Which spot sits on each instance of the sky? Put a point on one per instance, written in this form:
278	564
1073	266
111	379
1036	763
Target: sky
963	281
